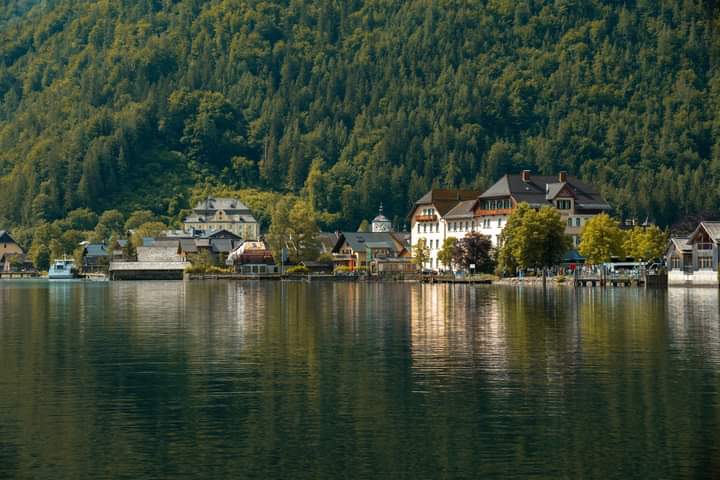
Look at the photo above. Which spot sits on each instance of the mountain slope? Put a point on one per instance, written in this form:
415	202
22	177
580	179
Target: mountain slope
355	103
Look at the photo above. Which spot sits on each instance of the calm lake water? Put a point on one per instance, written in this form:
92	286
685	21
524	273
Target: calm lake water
334	380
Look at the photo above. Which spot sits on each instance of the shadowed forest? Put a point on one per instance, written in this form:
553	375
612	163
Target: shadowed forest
145	104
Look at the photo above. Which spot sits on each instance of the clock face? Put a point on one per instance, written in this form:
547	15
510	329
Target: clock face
381	227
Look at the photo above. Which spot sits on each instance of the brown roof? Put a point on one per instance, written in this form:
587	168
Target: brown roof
445	199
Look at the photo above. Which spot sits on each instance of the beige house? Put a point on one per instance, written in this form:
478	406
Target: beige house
220	213
8	244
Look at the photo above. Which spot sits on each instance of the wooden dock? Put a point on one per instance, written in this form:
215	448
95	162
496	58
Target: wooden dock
469	279
658	280
18	275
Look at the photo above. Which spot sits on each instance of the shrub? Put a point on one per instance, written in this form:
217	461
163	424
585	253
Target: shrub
298	269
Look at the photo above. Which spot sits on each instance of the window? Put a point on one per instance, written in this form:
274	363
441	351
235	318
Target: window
675	264
418	228
578	221
499	222
564	204
705	263
569	222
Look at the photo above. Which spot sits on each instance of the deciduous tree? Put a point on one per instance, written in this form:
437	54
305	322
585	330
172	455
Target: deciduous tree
447	252
421	253
533	239
474	252
645	243
600	240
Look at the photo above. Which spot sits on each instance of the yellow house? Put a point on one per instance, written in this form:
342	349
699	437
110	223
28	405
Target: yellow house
217	213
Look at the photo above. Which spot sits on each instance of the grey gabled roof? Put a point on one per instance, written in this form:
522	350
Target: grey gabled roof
383	244
223	245
680	243
359	241
188	245
553	189
463	209
712	229
224	232
96	250
6	237
220	203
328	240
536	191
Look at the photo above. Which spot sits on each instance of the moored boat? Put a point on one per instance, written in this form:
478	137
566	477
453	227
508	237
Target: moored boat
62	269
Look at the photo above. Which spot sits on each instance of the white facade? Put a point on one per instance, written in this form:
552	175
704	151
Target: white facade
429	226
433	232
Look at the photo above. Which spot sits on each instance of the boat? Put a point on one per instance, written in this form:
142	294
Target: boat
62	269
96	277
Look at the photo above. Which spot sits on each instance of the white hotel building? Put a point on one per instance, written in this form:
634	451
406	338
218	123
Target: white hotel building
441	214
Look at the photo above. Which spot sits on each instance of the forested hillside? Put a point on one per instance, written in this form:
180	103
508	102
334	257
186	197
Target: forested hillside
137	103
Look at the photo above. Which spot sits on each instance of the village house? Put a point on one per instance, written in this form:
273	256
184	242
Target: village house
217	245
220	213
694	260
12	256
252	258
355	250
441	214
576	201
95	257
428	220
358	249
157	259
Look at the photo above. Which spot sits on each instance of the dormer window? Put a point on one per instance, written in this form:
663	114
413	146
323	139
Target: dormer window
563	204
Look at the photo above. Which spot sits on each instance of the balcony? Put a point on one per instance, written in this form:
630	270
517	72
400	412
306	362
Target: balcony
704	246
426	218
496	211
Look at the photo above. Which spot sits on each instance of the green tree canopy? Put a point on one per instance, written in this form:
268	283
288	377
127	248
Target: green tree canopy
294	230
421	253
601	239
138	218
110	224
645	243
446	254
147	230
532	239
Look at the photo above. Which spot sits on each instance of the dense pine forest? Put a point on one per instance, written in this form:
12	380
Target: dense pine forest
143	104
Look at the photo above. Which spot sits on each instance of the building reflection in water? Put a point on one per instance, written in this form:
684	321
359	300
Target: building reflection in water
455	330
694	321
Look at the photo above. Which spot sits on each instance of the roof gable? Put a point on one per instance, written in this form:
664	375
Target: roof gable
360	241
711	229
535	191
224	234
444	200
5	237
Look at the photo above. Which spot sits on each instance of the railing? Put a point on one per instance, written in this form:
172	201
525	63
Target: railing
425	218
704	246
496	211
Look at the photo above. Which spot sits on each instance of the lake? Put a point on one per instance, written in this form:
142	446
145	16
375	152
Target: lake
350	380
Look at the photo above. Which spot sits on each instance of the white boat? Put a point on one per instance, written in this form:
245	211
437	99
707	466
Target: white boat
63	269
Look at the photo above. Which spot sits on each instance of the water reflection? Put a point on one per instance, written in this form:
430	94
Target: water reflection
271	380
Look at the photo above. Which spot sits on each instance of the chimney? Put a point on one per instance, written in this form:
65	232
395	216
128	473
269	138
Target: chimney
562	177
526	176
